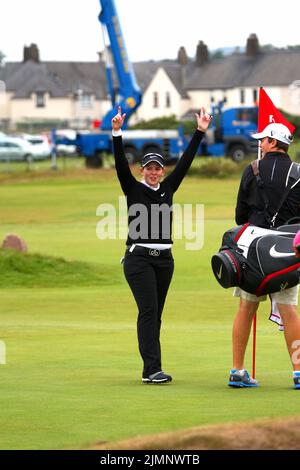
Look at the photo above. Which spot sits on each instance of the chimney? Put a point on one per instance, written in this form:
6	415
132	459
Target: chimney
31	53
100	56
252	48
182	56
202	55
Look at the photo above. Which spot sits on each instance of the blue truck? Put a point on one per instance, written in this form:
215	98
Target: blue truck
230	132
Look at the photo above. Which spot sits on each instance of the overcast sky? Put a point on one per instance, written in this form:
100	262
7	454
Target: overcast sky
153	29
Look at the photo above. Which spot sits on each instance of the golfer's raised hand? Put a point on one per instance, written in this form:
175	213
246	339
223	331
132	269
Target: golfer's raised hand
118	120
203	120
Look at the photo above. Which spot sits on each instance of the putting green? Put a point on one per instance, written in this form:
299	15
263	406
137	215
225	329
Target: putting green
73	370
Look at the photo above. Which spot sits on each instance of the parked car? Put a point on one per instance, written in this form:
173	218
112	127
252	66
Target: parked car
41	148
14	148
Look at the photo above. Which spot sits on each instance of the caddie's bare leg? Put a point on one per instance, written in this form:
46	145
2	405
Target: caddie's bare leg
241	331
291	322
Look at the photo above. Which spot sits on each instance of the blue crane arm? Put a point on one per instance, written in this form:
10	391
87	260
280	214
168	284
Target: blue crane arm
128	95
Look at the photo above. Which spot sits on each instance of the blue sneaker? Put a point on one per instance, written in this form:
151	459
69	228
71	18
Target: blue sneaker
240	379
297	380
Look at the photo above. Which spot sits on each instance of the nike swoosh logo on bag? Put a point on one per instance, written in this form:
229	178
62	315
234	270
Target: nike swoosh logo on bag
162	195
278	254
219	274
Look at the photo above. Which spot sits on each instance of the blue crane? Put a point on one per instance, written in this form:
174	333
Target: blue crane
127	94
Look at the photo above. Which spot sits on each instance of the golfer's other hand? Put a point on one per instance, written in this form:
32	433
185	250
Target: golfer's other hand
118	120
203	120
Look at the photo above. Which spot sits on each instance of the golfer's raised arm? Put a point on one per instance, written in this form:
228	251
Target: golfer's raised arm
203	120
123	171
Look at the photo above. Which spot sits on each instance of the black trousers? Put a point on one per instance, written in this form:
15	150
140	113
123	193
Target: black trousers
149	278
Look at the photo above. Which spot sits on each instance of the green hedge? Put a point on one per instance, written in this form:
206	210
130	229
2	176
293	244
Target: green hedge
170	122
218	167
293	119
166	122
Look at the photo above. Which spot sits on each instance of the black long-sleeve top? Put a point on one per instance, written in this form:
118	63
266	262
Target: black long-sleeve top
149	211
273	170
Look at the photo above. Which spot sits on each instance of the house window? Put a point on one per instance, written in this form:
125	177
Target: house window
155	100
247	114
255	96
40	99
86	101
242	96
168	100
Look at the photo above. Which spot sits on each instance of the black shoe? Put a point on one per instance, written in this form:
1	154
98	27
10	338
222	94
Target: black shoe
157	378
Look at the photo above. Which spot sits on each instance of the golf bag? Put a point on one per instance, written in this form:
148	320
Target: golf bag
258	260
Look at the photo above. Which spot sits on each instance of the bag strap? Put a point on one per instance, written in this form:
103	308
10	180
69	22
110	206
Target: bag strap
290	183
293	174
261	187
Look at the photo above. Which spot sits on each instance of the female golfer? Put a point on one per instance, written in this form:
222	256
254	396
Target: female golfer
148	261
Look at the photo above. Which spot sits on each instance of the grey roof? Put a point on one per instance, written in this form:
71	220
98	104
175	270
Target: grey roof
87	76
277	68
145	71
273	68
63	78
34	77
57	78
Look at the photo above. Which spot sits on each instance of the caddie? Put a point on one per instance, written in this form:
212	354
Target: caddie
261	211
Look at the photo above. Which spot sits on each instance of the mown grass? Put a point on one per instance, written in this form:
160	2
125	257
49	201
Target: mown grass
73	369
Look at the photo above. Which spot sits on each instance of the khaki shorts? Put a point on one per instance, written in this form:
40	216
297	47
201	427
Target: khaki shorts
286	297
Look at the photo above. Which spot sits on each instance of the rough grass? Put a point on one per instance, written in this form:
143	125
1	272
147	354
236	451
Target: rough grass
35	270
274	434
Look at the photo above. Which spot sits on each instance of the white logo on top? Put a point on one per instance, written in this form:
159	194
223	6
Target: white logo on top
277	254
